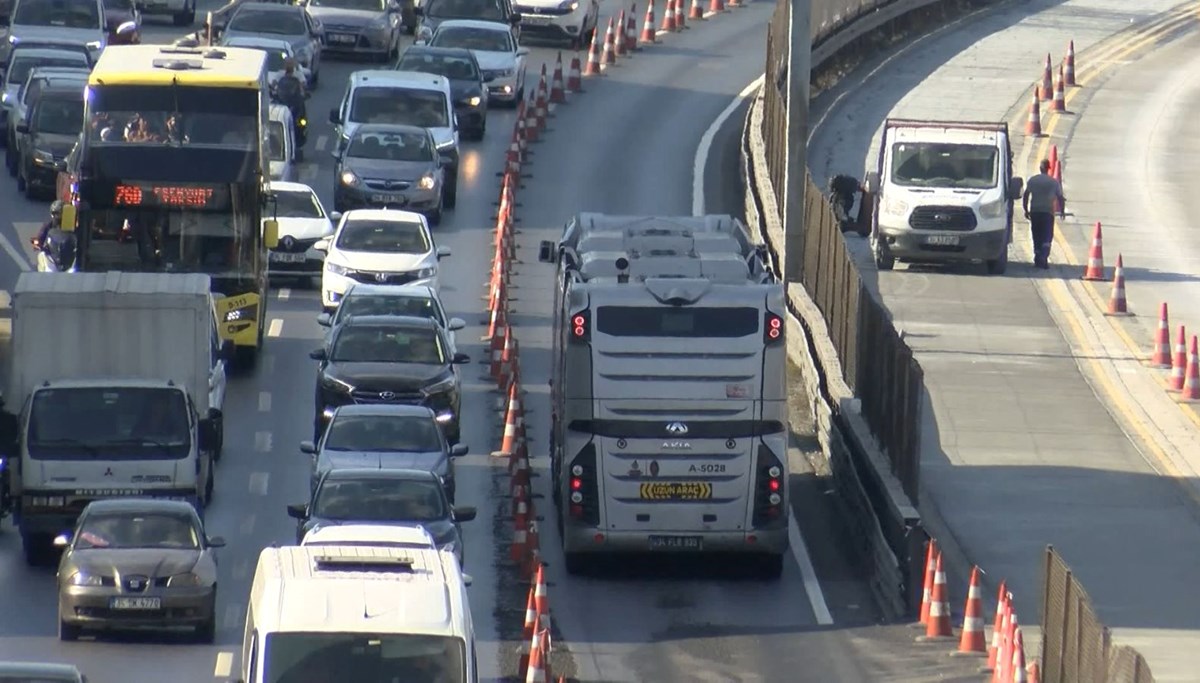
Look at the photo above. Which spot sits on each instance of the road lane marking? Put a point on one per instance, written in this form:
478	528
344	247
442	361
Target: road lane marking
258	483
224	665
17	255
322	141
233	616
241	570
284	293
247	525
702	150
816	598
264	401
275	327
268	362
262	442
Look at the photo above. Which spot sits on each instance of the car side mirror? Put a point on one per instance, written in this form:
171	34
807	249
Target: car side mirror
227	351
334	117
325	319
514	19
62	540
1015	185
298	511
458	450
443	251
308	447
335	216
318	354
455	324
461	359
216	542
872	182
522	51
546	251
464	513
60	166
23	128
468	579
321	245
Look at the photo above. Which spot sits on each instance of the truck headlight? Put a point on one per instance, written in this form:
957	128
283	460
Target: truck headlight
894	207
85	579
992	209
427	182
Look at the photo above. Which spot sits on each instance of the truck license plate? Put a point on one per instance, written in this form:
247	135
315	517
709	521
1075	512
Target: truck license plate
942	240
677	543
136	603
280	257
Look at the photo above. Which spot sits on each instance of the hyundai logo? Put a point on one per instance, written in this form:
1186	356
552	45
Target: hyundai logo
381	277
677	428
387	395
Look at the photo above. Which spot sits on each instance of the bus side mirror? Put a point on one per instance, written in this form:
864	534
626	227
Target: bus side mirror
546	251
271	233
68	217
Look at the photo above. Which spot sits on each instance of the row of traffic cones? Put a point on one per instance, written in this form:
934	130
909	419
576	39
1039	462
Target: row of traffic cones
1006	651
534	664
621	37
1052	90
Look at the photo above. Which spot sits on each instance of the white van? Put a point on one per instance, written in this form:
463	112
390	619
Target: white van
356	613
281	143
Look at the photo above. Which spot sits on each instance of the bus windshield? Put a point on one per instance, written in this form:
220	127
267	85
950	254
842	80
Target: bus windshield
226	117
338	657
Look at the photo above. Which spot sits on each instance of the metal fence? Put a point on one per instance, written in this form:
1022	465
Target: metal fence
1076	646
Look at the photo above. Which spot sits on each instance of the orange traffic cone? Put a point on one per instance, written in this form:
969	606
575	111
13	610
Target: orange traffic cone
520	545
972	641
1070	70
648	33
532	617
1095	264
575	77
496	323
938	627
593	64
680	15
1059	103
544	644
1053	158
508	443
1047	80
1116	301
631	29
558	90
716	6
696	13
496	358
1033	127
734	3
1161	356
927	588
541	595
1056	173
997	628
1018	658
1191	386
609	56
1034	672
537	665
619	41
668	22
541	99
1006	652
532	129
1179	361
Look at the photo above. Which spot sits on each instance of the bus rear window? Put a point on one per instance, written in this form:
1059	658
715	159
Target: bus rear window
634	321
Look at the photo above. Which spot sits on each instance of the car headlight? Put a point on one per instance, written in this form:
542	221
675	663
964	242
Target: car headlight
505	73
42	157
337	270
569	6
894	207
441	387
341	385
4	99
474	101
303	122
187	580
85	579
427	182
13	40
992	209
425	273
349	178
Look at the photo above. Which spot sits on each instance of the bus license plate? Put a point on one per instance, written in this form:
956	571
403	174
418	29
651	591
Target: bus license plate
136	603
942	240
676	490
676	543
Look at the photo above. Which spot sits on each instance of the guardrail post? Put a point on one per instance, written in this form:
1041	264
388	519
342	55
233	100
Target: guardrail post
799	68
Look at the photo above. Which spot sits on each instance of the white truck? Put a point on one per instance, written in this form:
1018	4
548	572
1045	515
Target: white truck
119	380
942	191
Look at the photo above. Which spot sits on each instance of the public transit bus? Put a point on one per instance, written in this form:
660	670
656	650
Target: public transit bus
171	171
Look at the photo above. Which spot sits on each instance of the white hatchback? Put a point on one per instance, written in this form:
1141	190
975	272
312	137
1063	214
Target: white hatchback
303	222
378	246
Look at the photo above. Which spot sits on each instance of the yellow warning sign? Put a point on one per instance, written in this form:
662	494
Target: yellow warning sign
676	490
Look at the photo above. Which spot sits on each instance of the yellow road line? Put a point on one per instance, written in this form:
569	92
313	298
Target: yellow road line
1105	60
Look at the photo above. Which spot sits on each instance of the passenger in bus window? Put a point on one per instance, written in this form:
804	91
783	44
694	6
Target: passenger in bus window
175	132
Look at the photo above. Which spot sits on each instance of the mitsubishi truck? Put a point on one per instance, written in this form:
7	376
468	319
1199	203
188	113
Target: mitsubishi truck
119	380
942	191
669	422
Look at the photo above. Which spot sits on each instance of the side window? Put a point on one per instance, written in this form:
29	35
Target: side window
31	92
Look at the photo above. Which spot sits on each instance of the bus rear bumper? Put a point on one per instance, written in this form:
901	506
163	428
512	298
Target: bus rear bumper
756	542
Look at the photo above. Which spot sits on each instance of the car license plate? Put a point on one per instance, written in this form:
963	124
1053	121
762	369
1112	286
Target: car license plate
676	543
942	240
136	603
280	257
676	490
342	38
389	199
534	19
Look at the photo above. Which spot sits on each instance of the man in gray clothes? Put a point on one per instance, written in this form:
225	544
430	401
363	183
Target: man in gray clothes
1040	193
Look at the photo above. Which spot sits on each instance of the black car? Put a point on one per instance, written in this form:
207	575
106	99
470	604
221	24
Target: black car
467	85
389	359
45	137
374	496
388	165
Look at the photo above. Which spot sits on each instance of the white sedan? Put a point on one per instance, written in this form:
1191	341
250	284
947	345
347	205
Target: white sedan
378	246
278	52
500	58
302	223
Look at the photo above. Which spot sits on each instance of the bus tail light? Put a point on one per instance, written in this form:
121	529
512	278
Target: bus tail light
581	326
583	496
770	497
772	328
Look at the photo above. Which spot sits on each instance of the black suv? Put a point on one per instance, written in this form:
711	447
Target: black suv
45	137
389	359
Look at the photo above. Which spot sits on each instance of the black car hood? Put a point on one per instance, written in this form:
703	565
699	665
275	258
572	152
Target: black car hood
385	376
460	89
441	529
58	145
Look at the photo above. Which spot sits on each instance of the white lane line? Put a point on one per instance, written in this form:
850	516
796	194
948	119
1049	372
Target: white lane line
812	586
224	665
17	255
258	483
233	615
264	401
247	525
275	328
285	293
705	146
262	442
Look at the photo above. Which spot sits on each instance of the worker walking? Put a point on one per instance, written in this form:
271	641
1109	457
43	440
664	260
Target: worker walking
1041	192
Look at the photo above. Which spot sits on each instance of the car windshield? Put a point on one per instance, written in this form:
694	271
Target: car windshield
379	499
275	137
391	147
57	13
403	106
926	164
485	10
127	423
386	237
378	344
339	657
482	39
112	530
273	22
396	433
20	66
356	5
454	68
297	204
59	116
388	304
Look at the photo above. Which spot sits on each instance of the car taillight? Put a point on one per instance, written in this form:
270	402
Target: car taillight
769	495
772	329
582	498
581	326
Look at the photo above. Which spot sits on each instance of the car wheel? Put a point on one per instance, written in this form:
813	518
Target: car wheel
206	633
999	265
209	485
10	160
883	258
67	632
22	184
219	428
38	549
450	196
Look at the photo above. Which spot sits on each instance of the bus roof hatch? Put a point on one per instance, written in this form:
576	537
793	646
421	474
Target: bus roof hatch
677	292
